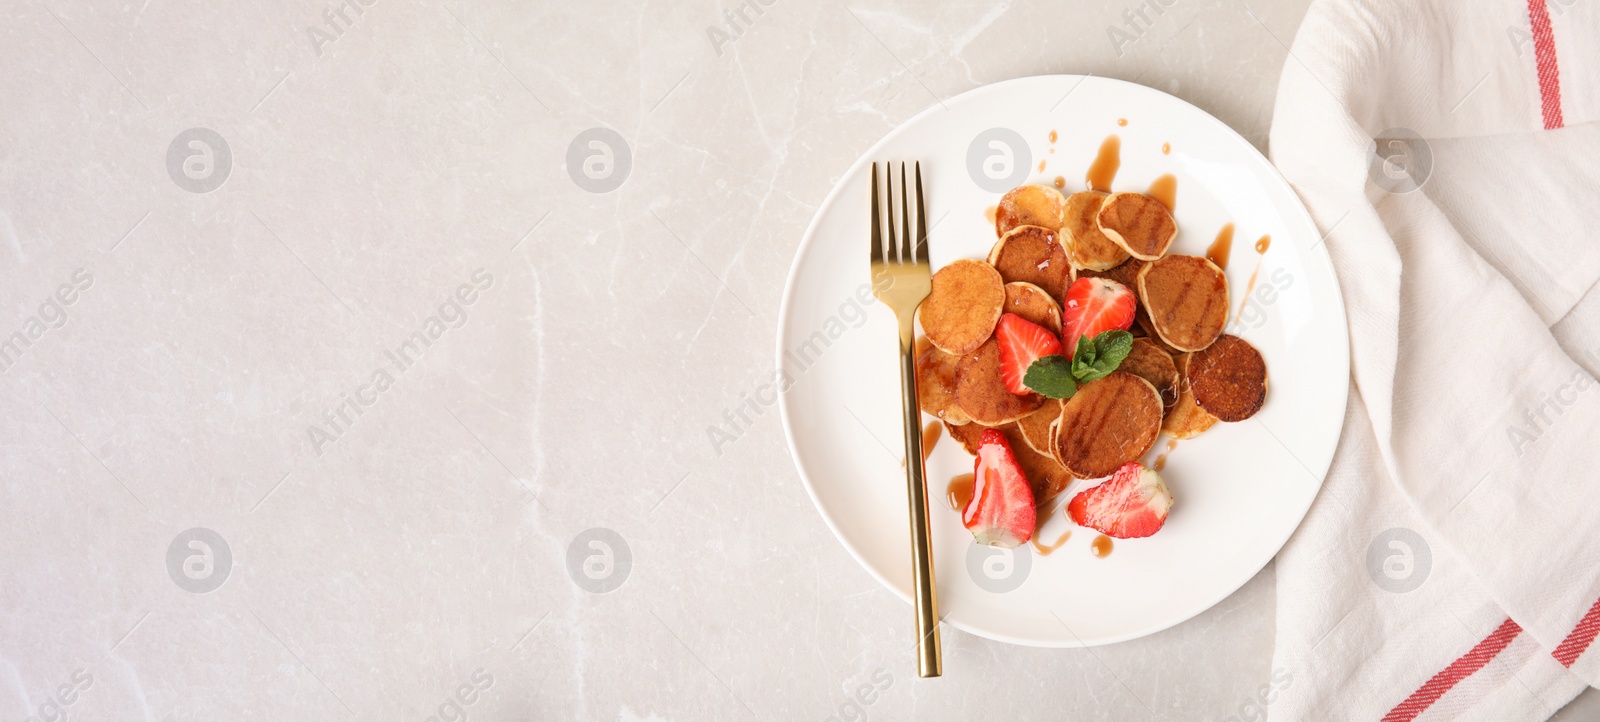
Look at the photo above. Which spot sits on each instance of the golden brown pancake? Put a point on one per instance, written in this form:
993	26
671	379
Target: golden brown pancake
1033	304
1033	254
983	395
1229	379
1149	362
1141	321
1045	474
1055	428
1140	224
1107	423
1187	299
961	310
936	383
966	435
1125	273
1186	419
1029	205
1035	427
1087	247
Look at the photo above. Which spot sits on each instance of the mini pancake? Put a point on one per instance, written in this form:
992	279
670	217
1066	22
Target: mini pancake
1045	474
1149	362
936	383
1140	224
965	303
1141	321
1107	423
1055	427
1033	304
1187	299
1087	247
1032	254
1186	420
983	395
1029	205
1035	427
967	435
1125	273
1229	379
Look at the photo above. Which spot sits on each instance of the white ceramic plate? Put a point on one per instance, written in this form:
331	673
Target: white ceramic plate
1241	488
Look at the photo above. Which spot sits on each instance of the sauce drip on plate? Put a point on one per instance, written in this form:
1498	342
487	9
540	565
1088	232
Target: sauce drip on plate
1161	461
1045	550
1165	189
1220	249
1106	163
959	493
1262	244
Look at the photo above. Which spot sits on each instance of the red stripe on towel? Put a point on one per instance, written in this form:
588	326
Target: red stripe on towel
1463	667
1574	645
1544	54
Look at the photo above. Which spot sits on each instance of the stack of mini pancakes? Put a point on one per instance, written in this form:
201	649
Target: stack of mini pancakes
1182	376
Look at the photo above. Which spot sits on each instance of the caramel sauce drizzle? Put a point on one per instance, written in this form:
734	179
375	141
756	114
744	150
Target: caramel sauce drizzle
1165	189
1220	249
1106	163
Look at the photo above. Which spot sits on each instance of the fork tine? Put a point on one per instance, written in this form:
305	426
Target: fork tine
921	252
877	224
888	216
908	253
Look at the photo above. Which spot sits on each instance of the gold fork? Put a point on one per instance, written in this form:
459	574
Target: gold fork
901	278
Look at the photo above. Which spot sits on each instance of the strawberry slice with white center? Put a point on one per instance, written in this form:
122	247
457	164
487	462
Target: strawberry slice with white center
1095	305
1133	503
1001	512
1021	343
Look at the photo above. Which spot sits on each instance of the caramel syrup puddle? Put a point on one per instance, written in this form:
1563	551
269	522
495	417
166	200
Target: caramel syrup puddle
1106	163
1165	189
1161	461
959	493
1101	548
1220	249
930	438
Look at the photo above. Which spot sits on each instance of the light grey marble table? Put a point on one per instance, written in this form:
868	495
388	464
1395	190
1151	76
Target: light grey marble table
330	342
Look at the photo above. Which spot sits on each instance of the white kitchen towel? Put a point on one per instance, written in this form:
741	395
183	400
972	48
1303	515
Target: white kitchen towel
1450	567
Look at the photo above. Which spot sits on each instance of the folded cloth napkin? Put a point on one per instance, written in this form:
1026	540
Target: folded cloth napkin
1450	566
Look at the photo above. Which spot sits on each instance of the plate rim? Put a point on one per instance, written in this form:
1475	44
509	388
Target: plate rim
1299	212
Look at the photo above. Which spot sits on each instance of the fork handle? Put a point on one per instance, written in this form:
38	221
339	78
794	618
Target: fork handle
930	661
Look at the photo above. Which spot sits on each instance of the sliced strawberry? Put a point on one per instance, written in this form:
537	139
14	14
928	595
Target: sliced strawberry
1001	512
1133	503
1095	305
1021	343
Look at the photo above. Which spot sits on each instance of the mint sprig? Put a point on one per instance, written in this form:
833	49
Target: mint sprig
1051	376
1056	377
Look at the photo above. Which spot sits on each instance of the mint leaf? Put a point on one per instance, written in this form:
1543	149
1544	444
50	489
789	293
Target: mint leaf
1114	346
1085	349
1098	358
1051	376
